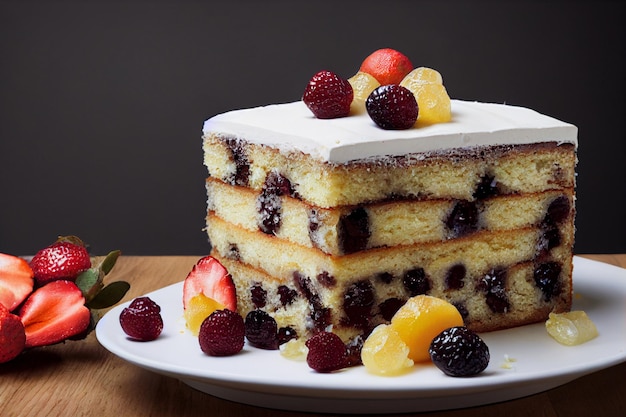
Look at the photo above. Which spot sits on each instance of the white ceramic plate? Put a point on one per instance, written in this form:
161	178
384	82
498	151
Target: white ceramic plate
264	378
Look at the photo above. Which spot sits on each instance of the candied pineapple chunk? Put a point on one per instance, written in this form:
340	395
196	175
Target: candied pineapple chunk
571	328
362	85
385	353
421	319
199	308
421	75
432	98
294	349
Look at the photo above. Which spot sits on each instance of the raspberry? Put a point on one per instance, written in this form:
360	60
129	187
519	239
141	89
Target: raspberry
261	330
327	352
328	96
458	351
392	107
222	333
142	320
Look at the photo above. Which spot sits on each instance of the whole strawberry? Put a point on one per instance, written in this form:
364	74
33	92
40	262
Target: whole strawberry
65	259
328	96
142	320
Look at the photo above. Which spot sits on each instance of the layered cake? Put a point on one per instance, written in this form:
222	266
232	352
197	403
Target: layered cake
336	223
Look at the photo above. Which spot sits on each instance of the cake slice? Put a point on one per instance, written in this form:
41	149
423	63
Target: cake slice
338	222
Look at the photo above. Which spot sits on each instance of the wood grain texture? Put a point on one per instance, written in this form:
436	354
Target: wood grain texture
84	379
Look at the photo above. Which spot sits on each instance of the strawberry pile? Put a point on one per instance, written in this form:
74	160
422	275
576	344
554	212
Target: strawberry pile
55	297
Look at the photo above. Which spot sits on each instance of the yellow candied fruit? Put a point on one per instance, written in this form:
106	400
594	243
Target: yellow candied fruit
199	308
362	85
433	100
433	103
571	328
385	353
294	349
421	319
421	75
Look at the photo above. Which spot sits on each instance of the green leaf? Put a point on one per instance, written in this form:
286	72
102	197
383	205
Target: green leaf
109	262
110	295
87	280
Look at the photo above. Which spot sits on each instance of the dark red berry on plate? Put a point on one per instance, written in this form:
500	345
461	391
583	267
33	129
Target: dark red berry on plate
142	320
261	330
222	333
327	352
328	96
458	351
392	107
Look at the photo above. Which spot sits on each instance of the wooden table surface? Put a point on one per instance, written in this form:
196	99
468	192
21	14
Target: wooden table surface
84	379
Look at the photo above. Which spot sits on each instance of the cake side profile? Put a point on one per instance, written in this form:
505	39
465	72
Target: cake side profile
333	212
487	226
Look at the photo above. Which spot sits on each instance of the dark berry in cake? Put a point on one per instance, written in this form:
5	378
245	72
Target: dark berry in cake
463	219
354	231
416	282
493	285
142	320
459	352
258	296
487	187
287	295
328	96
222	333
389	307
261	330
392	107
242	165
455	277
327	352
558	210
358	301
546	277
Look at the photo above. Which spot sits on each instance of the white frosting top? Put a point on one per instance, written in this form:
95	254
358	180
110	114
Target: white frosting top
292	127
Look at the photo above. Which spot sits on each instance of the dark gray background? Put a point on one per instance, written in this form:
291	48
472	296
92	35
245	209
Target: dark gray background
102	103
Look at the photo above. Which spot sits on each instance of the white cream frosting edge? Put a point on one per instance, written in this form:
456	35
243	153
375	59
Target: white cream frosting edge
292	127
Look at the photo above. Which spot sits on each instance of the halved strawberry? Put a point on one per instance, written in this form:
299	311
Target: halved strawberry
65	259
54	313
209	277
16	281
12	335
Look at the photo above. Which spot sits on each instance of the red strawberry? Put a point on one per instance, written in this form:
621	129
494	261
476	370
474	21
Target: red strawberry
16	281
62	260
12	335
54	313
209	277
328	96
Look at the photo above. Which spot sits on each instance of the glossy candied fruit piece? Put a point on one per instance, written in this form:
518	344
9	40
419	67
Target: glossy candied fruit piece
385	353
434	104
432	97
199	308
422	318
362	85
571	328
421	75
